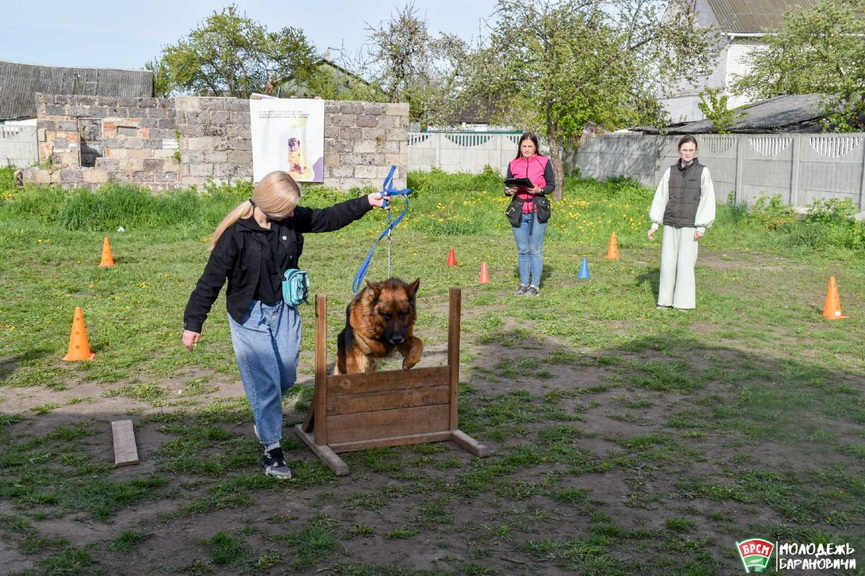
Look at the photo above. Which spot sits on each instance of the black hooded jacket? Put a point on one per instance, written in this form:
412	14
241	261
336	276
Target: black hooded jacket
237	257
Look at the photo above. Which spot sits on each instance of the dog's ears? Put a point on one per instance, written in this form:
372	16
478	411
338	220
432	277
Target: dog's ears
411	289
375	287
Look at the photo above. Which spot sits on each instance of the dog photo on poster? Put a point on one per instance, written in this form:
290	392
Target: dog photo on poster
287	134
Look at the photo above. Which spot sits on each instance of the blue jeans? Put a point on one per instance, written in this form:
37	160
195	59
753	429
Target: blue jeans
267	347
530	255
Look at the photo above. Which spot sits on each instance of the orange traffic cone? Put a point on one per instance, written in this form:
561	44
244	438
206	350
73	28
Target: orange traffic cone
613	249
107	258
832	307
79	348
485	274
452	259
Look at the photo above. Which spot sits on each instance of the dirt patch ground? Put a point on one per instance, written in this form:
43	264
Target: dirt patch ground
597	467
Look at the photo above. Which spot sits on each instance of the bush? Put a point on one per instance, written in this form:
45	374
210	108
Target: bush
829	223
772	213
831	211
423	183
7	182
115	205
736	212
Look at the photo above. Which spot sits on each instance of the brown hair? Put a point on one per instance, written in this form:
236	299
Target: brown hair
276	195
528	136
686	140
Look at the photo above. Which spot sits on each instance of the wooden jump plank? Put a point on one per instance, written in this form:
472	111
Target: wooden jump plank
454	315
386	423
375	401
392	441
392	408
125	451
387	380
325	454
316	415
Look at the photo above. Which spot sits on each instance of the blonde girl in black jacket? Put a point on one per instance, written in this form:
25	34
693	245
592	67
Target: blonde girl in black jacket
252	248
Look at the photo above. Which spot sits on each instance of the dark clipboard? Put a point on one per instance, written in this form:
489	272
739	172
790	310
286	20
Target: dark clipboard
519	183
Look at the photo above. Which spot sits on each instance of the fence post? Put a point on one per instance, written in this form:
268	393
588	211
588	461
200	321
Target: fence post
794	170
740	166
598	149
862	183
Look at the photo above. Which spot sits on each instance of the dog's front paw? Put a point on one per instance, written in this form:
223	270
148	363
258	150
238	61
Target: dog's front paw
411	351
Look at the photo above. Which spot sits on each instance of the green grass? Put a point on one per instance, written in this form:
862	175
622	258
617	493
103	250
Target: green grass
625	440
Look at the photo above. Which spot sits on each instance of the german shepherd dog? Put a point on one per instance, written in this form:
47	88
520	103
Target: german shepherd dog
379	319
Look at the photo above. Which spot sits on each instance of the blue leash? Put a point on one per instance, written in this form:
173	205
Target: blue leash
387	190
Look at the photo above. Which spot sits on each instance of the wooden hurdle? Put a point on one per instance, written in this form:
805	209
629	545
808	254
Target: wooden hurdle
392	408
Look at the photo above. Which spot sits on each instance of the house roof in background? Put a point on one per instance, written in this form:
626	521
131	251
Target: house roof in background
753	16
19	83
795	113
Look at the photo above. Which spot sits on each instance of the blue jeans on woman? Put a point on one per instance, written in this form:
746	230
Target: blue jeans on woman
530	249
267	347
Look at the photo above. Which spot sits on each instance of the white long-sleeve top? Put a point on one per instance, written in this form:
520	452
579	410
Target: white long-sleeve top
705	209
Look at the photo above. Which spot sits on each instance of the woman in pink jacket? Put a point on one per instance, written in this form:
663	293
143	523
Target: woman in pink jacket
529	211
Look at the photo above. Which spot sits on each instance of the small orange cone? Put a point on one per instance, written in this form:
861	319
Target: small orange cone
613	249
832	307
452	259
485	274
107	258
79	348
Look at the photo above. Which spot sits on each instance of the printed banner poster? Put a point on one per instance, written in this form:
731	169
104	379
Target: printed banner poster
287	134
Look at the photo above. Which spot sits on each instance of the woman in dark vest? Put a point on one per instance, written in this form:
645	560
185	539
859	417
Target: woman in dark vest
529	211
685	204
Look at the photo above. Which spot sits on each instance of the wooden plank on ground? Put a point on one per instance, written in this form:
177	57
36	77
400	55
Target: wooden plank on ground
375	401
387	380
387	423
125	451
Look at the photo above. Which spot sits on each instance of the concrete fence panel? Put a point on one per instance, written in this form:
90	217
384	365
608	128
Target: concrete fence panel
461	152
831	166
767	166
799	167
18	146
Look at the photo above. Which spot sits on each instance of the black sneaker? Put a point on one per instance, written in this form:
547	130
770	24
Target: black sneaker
533	291
273	464
522	290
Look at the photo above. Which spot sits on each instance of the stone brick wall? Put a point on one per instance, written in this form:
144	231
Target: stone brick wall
176	143
129	139
362	140
214	140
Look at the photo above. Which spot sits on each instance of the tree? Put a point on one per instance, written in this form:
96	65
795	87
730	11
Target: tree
554	66
231	55
409	64
817	50
714	107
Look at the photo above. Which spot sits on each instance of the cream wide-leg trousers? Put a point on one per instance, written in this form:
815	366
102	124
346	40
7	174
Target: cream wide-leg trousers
677	287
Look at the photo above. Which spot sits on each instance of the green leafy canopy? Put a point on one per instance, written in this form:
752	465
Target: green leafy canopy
232	55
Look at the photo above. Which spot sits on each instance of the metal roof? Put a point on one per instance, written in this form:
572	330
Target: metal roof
794	113
19	83
753	16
